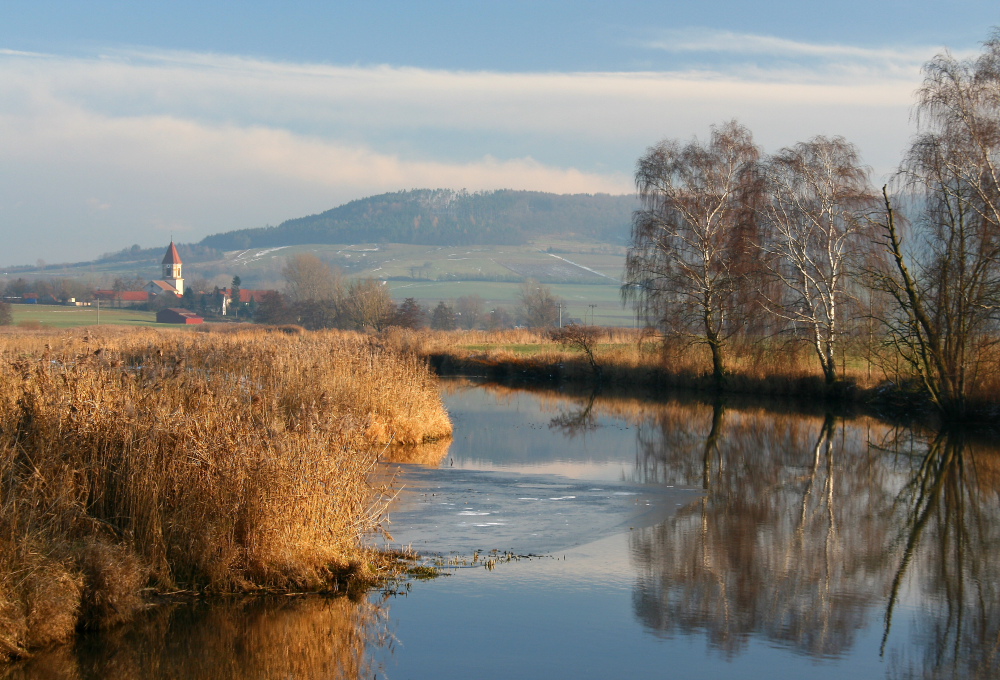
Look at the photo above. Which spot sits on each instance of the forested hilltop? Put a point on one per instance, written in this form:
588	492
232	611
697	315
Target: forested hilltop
446	217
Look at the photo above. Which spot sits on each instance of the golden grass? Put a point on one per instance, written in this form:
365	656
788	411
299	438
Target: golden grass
633	358
221	461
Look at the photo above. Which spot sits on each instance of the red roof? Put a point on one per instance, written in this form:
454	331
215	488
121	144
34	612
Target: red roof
172	256
247	294
123	295
133	296
255	295
177	315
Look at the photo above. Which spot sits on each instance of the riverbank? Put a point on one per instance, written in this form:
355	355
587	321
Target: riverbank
624	359
141	462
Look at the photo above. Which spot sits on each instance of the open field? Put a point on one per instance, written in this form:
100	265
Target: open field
607	310
551	262
58	316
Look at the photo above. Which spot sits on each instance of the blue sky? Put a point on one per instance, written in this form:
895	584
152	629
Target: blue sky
124	123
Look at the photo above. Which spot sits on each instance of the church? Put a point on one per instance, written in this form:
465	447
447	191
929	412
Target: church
173	279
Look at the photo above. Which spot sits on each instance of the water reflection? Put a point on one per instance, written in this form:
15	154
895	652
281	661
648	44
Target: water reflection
808	533
266	638
578	420
782	543
947	541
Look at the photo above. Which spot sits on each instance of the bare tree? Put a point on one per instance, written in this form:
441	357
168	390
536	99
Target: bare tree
581	338
368	304
309	278
471	311
947	282
691	241
818	213
539	307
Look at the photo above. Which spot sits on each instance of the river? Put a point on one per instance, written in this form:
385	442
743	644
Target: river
607	537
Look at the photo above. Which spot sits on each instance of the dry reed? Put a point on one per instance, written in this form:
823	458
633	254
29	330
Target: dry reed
219	462
641	359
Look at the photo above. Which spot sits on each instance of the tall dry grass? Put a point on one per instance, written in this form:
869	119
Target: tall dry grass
636	358
169	460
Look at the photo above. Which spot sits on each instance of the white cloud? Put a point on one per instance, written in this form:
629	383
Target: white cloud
743	43
201	143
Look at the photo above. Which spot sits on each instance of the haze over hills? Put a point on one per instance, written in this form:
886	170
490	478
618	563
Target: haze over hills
417	217
447	217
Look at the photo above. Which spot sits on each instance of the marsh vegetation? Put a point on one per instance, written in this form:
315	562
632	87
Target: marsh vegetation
135	463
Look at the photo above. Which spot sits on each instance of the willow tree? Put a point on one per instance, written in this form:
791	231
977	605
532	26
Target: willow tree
818	215
691	240
947	281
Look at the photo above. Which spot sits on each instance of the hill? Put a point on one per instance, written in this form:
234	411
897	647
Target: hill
446	217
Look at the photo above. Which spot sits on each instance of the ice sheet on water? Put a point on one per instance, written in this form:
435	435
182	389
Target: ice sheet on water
431	514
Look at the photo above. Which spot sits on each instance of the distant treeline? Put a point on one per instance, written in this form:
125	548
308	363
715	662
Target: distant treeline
446	217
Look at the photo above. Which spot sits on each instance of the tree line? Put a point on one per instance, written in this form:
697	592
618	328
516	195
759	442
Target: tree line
730	241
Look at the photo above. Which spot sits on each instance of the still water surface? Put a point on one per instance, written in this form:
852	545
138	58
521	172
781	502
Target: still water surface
667	540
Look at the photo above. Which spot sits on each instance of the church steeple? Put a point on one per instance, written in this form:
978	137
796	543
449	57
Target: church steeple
172	268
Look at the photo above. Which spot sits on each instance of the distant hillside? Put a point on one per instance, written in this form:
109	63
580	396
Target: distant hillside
445	217
189	253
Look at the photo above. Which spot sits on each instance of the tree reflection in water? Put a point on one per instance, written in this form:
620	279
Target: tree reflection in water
947	541
806	533
765	551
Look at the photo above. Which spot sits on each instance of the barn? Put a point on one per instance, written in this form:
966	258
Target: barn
177	315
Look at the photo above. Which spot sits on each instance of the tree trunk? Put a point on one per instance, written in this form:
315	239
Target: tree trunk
718	364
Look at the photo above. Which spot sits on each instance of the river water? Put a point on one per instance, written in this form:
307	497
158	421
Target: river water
607	537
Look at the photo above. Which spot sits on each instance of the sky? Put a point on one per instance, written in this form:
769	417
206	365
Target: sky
125	122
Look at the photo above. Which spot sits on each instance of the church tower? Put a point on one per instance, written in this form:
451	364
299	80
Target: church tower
172	269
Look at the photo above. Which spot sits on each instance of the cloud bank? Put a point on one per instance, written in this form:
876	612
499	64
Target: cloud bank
103	151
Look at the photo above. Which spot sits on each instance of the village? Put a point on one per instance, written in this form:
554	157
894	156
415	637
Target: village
173	302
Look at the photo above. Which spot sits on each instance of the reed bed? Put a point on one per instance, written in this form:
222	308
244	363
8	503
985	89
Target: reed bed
141	461
631	357
871	375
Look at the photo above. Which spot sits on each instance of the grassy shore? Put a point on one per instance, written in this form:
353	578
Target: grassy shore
136	462
873	378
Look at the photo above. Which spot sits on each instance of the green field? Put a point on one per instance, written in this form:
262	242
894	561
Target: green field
578	298
56	316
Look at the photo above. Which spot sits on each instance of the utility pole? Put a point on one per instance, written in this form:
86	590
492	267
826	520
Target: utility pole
591	305
560	305
98	311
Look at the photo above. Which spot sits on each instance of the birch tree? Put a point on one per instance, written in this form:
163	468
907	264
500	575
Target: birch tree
691	239
946	280
818	214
